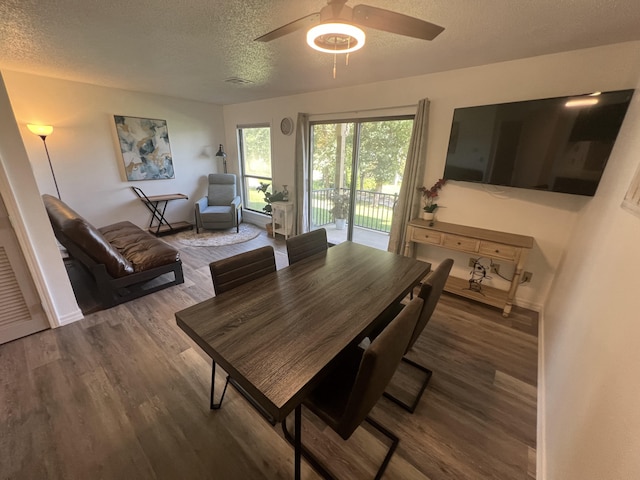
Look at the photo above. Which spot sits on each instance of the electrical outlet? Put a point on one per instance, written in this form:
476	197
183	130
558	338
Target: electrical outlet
472	262
526	277
495	268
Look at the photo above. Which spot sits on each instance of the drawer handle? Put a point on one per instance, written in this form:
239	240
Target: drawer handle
459	243
497	251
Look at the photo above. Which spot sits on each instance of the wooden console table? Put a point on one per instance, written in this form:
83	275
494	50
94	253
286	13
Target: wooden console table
481	243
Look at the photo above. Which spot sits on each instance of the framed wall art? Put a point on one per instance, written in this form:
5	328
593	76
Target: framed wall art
144	143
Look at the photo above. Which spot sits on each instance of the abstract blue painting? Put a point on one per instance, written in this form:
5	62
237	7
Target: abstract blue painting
144	143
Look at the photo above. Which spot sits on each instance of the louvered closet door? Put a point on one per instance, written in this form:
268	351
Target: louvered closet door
20	311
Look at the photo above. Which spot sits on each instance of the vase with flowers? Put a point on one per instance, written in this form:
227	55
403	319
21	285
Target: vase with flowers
430	195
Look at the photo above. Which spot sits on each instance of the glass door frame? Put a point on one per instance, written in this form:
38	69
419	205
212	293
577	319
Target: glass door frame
355	160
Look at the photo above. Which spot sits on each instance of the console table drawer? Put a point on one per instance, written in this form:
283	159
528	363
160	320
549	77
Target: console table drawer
455	242
426	236
491	249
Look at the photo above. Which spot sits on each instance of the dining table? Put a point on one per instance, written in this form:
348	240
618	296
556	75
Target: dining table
279	335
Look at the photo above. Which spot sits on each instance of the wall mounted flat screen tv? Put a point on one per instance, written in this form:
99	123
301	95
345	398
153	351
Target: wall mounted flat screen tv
553	144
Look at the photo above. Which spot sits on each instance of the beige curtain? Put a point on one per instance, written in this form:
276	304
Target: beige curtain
302	174
408	205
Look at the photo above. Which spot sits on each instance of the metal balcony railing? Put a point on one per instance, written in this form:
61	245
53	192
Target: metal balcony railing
373	210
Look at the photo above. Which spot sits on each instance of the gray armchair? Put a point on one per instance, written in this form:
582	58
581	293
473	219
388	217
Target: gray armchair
222	207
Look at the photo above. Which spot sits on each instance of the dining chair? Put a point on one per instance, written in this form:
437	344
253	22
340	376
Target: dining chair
237	270
306	244
345	397
430	293
228	274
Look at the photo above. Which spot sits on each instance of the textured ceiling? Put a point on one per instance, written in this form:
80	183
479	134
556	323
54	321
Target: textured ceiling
191	48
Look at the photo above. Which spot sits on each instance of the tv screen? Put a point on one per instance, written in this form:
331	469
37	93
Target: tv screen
553	144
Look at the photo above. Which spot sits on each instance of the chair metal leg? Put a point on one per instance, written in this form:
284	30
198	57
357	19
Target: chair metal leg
315	463
394	444
212	405
412	408
309	457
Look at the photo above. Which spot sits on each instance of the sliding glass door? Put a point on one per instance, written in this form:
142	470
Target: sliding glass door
356	169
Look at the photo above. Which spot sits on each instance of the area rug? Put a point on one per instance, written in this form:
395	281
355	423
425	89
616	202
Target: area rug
218	238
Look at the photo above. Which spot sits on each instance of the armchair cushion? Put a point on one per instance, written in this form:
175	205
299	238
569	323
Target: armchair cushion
222	188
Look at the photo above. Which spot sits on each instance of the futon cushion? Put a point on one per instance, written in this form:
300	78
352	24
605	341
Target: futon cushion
140	248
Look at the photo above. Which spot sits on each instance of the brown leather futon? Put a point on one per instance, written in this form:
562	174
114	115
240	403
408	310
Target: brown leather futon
123	258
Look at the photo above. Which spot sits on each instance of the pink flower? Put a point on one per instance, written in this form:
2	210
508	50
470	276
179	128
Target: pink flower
430	194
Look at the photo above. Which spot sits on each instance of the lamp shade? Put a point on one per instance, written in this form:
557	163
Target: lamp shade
221	152
42	130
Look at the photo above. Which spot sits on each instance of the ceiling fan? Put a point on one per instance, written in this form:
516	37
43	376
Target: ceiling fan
336	28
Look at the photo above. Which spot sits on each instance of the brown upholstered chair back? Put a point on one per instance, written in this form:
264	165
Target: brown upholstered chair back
232	272
379	362
430	292
306	244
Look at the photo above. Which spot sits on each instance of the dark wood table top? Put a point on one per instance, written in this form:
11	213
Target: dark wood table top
276	335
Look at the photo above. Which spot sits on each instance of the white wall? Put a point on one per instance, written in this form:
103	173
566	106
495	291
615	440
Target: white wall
548	217
30	223
86	155
87	162
591	334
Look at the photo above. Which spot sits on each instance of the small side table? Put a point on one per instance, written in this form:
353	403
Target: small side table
282	212
157	205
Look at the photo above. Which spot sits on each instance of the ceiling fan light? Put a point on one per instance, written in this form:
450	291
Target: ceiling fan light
335	38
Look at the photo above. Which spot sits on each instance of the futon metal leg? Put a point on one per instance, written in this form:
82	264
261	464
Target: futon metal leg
212	405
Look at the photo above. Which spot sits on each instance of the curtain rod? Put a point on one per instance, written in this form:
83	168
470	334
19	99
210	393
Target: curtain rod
364	110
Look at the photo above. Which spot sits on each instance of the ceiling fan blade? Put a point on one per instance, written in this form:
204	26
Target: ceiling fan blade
393	22
290	27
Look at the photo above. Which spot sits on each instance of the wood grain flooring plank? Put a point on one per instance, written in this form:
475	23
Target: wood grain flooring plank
124	393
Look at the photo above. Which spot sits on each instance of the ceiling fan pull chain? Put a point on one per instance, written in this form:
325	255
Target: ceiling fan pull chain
334	66
346	60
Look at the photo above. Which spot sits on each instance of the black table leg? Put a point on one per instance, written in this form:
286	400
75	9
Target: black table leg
212	405
298	442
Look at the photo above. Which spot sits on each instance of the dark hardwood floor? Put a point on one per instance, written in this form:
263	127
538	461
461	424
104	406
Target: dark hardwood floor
123	394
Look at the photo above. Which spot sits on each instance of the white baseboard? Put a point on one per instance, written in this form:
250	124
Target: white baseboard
70	318
536	307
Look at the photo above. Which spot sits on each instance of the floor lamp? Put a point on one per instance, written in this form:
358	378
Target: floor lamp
43	131
222	155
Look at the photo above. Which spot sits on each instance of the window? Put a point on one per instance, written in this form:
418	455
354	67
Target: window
357	169
255	159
